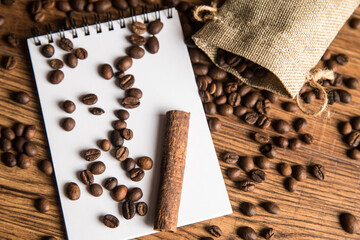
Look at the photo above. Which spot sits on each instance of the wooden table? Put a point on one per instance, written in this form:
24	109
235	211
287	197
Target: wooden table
309	213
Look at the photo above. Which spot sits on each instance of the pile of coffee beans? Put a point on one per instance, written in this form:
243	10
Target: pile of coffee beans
351	135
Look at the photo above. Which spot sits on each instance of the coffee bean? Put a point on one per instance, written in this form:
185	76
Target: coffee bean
96	111
210	108
352	83
248	209
120	4
263	106
136	52
338	81
333	97
251	118
247	186
247	73
96	190
124	63
354	154
130	102
9	159
234	99
135	194
18	144
262	162
42	205
98	168
345	128
247	233
46	167
22	97
66	44
71	60
152	45
155	27
269	234
257	175
92	154
200	69
126	133
319	171
35	7
261	138
116	139
39	17
284	169
86	177
271	207
239	111
345	96
282	142
81	53
230	87
63	6
9	62
8	133
145	163
137	40
110	183
195	55
332	65
2	20
30	149
307	138
225	109
128	209
250	99
290	107
56	63
268	150
48	50
134	92
354	23
290	184
111	221
122	153
219	89
282	126
326	56
354	139
355	123
308	97
244	90
273	98
299	172
263	122
246	163
122	114
19	129
29	132
89	99
69	106
299	124
137	174
142	208
342	59
138	28
56	76
119	124
73	191
349	223
129	164
231	157
215	231
68	124
102	6
105	145
214	124
126	82
106	71
23	161
295	144
78	5
234	174
5	144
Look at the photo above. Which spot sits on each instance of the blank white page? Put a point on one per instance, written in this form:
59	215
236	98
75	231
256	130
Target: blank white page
168	83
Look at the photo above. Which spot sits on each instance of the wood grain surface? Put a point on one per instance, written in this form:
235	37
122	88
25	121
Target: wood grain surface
309	213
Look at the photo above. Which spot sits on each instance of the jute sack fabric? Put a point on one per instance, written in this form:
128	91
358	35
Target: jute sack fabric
288	37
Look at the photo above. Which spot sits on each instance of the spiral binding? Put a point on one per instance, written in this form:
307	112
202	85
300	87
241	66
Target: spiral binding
109	21
85	25
122	19
157	12
35	33
145	14
133	15
73	28
49	33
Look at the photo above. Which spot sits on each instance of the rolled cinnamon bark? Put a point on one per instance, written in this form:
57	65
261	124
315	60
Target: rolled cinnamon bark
172	170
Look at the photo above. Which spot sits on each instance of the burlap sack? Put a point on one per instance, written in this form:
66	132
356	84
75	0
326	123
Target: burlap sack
288	37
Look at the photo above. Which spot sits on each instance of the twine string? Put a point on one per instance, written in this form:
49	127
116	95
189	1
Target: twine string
204	13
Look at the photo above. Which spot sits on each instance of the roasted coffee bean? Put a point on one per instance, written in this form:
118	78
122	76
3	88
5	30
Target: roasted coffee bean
105	145
124	63
219	89
8	133
46	167
246	163
129	164
234	174
89	99
19	129
299	124
263	122
130	102
215	231
284	169
23	161
352	83
282	126
271	207
345	128
205	96
81	53
250	99
342	59
290	107
333	97
128	209
134	92
48	50
247	186
137	174
354	139
152	45
345	96
290	184
142	208
233	60
155	27
116	139
122	114
9	62
9	159
120	124
86	177
354	154
35	7
251	117
195	55
247	73
135	194
5	144
126	133
273	98
102	6
248	209
230	87
126	82
68	124
29	132
145	163
355	123
63	6
262	162
263	106
307	138
326	56
122	153
39	17
56	63
98	168
56	76
138	28
234	99
210	108
319	171
96	190
22	97
133	3
66	44
30	149
332	65
78	5
338	81
71	60
136	52
111	221
18	143
2	20
269	234
282	142
110	183
42	205
120	4
354	23
69	106
308	97
200	69
268	150
295	144
214	124
299	172
257	175
239	111
247	233
349	223
106	71
73	191
231	157
96	111
261	138
203	82
244	90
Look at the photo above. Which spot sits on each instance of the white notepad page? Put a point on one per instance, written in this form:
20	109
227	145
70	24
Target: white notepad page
168	83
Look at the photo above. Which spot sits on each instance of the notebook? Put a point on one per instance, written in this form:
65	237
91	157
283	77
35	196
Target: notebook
168	83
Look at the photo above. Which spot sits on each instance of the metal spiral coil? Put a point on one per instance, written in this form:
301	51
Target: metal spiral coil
35	35
48	30
97	23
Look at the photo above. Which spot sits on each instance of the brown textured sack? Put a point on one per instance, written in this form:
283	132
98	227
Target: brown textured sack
288	37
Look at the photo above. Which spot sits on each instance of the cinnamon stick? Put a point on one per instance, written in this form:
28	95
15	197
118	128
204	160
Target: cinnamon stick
172	170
